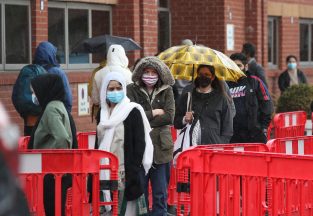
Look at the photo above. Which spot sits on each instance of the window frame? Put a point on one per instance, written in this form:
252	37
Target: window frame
164	9
9	67
309	22
83	6
274	19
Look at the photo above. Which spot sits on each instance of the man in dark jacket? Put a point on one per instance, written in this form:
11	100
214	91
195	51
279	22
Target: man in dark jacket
45	56
254	68
291	76
253	105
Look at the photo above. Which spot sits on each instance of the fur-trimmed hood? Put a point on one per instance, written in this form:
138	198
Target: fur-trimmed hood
153	62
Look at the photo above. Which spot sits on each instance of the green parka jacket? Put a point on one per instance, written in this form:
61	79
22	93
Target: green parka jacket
161	98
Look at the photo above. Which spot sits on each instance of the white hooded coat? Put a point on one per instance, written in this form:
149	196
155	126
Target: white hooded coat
116	61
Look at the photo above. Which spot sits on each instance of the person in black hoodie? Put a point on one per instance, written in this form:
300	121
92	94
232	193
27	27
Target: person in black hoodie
253	105
54	129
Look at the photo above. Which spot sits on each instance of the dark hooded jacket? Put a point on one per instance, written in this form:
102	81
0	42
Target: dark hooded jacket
45	56
161	98
214	113
55	125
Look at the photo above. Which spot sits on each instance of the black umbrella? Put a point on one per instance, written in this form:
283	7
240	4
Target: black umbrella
100	44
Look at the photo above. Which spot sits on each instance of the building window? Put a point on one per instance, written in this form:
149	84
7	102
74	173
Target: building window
15	50
306	41
70	23
164	36
272	41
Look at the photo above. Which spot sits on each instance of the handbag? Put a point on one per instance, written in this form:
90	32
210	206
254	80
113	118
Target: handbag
183	140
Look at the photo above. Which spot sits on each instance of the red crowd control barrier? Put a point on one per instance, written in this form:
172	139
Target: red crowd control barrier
86	140
79	164
237	147
288	124
301	145
235	183
23	142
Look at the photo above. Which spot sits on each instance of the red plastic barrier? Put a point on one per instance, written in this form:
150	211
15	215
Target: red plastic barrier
86	140
237	147
288	124
23	142
301	145
229	183
34	165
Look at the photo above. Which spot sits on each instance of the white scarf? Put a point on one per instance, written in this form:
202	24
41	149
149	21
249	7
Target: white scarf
108	123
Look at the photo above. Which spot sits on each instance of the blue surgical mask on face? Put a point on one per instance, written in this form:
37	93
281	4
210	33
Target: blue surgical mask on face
115	96
35	100
292	66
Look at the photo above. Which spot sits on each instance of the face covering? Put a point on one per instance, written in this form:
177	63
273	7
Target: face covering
150	80
292	66
115	96
35	100
202	81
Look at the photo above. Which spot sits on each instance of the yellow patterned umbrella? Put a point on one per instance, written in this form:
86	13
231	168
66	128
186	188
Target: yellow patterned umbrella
183	62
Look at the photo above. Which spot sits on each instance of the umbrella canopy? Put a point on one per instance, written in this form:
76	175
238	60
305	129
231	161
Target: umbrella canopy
183	62
100	44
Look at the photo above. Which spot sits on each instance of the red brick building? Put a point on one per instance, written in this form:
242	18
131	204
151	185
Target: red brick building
277	28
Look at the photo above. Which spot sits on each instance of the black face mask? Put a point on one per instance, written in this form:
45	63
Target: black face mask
202	81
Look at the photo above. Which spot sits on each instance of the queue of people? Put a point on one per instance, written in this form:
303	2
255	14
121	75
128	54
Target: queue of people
135	112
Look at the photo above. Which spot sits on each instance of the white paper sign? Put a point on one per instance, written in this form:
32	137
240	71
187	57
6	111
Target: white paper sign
230	37
83	101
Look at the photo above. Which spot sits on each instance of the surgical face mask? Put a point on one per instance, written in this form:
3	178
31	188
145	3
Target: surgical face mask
150	80
35	100
115	96
292	65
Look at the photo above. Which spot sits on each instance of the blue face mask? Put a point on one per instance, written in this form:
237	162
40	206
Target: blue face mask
35	100
115	96
292	66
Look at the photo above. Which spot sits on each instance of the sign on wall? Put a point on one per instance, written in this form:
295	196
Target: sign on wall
230	37
83	102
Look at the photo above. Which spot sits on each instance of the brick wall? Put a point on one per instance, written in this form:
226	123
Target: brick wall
201	21
39	23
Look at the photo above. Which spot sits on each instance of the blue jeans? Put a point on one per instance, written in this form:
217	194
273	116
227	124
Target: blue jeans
159	177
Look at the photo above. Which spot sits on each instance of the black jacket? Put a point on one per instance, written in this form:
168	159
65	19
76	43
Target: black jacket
213	111
284	80
257	105
257	70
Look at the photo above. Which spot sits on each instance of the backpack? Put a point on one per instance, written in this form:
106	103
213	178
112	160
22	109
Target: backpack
22	95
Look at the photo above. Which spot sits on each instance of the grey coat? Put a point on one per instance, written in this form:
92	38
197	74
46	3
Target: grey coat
161	98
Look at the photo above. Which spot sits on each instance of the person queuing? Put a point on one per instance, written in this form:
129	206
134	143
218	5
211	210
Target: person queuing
45	55
151	88
292	75
248	49
116	61
124	130
55	129
253	104
210	114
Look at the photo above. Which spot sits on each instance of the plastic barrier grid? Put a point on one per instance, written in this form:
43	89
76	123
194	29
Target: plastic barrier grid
35	165
228	183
